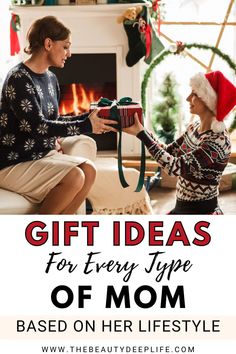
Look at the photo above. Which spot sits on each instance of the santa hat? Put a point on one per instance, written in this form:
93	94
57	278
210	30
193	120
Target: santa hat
218	93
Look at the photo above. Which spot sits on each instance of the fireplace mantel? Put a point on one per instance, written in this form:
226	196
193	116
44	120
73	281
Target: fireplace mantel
94	29
104	10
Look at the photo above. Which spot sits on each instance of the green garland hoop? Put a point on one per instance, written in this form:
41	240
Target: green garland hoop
167	52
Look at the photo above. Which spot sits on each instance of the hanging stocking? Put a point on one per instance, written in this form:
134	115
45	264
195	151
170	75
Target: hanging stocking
137	48
142	39
14	41
149	35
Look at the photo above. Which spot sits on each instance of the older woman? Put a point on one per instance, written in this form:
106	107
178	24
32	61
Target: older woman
30	163
200	155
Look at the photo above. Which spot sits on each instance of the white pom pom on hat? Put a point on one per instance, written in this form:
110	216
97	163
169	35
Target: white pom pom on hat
217	126
218	93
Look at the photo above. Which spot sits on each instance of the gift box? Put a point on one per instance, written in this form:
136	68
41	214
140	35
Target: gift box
121	111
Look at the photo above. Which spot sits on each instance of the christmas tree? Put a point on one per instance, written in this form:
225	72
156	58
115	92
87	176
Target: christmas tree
165	114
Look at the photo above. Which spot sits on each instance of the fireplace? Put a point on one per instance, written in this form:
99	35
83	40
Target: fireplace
94	30
84	79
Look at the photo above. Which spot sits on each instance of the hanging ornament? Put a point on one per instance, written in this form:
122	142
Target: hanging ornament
14	40
177	47
173	47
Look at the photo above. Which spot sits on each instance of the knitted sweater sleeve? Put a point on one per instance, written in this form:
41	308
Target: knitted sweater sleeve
72	119
206	155
172	148
23	101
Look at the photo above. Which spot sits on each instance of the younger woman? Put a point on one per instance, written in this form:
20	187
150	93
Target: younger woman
200	155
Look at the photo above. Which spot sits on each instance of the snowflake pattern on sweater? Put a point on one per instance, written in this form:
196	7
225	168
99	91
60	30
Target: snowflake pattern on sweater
29	117
197	159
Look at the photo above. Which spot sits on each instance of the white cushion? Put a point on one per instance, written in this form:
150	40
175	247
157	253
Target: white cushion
13	203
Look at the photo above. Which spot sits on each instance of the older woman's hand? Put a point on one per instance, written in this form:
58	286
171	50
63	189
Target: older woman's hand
100	125
136	128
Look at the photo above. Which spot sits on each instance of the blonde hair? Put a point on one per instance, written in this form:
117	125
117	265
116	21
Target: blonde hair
46	27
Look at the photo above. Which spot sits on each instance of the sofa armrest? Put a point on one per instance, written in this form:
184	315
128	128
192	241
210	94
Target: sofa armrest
79	145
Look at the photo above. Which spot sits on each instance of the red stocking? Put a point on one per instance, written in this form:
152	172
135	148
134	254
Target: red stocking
14	41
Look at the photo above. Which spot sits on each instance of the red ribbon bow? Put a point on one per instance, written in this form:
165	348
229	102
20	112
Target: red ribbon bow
146	28
148	35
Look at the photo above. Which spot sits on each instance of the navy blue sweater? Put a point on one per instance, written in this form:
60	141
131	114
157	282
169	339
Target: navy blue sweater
29	117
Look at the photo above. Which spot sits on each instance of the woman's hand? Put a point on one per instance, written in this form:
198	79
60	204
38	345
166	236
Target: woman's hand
136	128
100	125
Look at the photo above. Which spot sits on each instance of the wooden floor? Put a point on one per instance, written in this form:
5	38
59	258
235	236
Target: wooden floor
163	200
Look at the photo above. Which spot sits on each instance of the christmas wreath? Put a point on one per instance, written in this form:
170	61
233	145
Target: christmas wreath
175	49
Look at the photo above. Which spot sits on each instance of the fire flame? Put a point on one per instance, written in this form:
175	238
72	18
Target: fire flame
77	100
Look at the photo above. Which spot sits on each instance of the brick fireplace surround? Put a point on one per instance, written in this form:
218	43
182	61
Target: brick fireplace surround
94	30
